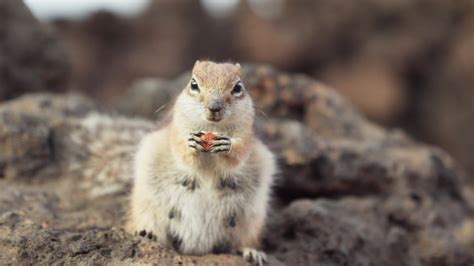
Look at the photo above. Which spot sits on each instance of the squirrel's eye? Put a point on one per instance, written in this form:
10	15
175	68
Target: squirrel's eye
237	88
194	86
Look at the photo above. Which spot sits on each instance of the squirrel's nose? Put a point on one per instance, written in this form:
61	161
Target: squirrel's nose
215	104
215	108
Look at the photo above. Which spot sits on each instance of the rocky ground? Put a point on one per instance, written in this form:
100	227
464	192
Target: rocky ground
349	192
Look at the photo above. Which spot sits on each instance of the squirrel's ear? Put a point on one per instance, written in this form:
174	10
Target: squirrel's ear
196	64
238	66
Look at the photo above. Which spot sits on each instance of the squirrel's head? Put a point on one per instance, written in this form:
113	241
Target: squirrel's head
216	93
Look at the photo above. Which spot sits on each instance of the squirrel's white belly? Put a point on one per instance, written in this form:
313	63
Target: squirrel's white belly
204	215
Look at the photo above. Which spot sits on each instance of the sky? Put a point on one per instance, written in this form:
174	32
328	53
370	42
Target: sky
76	9
47	9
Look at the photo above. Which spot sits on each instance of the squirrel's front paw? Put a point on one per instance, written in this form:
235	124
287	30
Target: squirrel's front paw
208	142
220	144
195	141
253	256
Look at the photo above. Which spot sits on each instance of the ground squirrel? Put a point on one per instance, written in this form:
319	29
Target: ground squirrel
201	195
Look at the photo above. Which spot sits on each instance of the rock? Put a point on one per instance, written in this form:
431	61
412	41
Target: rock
345	232
31	58
150	94
45	136
23	240
28	141
50	106
378	197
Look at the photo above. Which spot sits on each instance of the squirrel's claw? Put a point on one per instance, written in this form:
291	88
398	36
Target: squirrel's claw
145	234
219	149
254	257
220	144
196	146
195	142
198	134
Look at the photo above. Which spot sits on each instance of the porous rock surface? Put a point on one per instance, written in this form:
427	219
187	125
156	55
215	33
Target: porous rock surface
348	193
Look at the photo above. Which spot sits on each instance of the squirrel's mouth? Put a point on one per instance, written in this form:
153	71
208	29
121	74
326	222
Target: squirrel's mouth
214	117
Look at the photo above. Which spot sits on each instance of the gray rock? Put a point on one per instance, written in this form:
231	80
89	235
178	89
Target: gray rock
345	232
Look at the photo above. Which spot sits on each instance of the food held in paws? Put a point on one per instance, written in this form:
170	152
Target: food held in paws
207	139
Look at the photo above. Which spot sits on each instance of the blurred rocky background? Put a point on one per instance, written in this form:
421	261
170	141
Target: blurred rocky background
377	195
403	63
